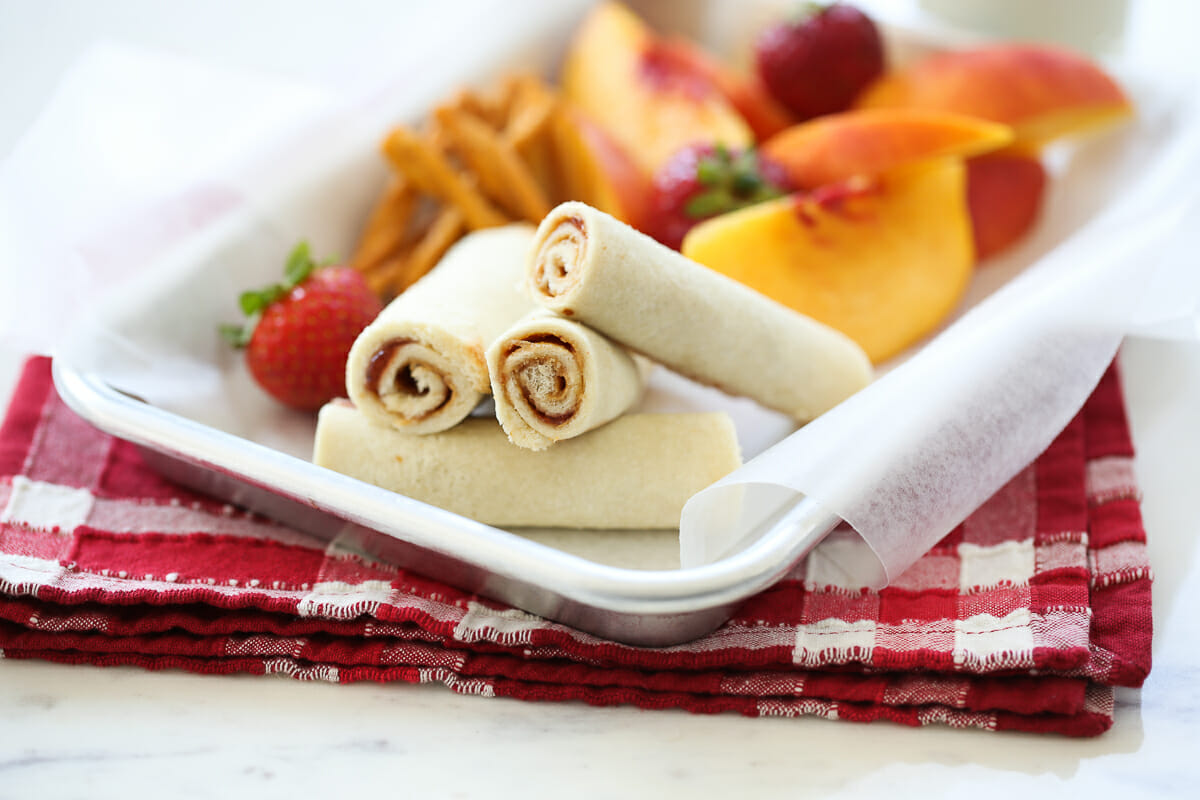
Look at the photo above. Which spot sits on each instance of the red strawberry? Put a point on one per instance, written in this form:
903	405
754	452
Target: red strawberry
299	332
818	63
703	180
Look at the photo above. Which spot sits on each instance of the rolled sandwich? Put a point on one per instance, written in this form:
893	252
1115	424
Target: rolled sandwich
420	366
635	472
553	379
589	266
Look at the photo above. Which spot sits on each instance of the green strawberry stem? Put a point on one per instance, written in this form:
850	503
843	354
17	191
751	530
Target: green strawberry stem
238	335
732	182
254	302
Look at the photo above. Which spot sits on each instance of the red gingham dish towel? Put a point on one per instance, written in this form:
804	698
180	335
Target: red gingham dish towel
1023	618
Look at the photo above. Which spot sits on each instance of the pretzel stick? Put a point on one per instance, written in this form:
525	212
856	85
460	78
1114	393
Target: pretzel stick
500	170
446	135
528	131
505	98
384	232
474	103
445	230
429	170
387	273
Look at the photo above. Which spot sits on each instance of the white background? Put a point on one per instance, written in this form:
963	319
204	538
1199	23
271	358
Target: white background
79	731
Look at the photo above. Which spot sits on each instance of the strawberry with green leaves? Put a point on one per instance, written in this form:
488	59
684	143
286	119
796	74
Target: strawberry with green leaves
298	333
703	180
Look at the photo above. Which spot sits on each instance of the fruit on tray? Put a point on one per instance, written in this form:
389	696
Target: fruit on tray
633	83
1043	92
299	331
1004	195
703	180
883	260
870	142
820	60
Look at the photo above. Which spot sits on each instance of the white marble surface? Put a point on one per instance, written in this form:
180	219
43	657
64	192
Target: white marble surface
115	732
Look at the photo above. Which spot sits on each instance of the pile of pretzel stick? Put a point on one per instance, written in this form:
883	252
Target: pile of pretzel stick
482	159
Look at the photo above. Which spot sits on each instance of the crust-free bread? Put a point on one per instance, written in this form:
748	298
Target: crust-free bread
591	267
553	379
420	365
635	472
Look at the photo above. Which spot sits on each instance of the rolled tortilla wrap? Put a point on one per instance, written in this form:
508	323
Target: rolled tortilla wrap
420	366
635	472
589	266
553	379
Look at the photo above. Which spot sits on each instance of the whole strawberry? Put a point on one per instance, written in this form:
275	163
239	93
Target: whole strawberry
299	332
818	62
703	180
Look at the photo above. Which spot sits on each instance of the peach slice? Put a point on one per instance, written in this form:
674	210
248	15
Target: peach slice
871	142
635	85
1043	92
597	170
746	93
883	260
1004	195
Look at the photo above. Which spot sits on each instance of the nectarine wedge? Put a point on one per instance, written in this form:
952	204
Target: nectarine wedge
1004	195
875	141
635	85
597	170
883	260
1043	92
745	92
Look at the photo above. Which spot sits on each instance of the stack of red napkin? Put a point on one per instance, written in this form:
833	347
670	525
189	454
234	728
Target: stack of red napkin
1023	618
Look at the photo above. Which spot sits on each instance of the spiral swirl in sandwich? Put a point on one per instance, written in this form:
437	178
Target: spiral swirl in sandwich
560	252
411	382
553	379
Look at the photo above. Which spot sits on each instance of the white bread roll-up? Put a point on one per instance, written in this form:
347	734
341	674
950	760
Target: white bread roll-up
592	267
636	472
420	366
553	379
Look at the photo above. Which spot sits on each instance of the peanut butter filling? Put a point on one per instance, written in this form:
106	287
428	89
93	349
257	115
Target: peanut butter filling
559	256
407	378
542	378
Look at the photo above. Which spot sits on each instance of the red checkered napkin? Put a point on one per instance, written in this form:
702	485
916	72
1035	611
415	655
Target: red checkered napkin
1023	618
